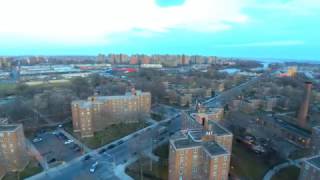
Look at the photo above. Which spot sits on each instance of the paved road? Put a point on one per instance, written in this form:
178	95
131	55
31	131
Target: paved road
117	153
229	94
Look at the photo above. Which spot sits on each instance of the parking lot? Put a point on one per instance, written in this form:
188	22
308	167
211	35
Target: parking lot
56	148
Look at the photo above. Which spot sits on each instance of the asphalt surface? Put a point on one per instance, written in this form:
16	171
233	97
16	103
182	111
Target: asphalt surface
116	153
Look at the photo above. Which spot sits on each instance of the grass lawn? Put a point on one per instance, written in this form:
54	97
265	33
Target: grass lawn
7	89
109	134
31	169
289	173
247	164
7	86
159	169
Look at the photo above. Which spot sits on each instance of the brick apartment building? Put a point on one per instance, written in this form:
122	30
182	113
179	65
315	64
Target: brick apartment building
310	169
191	157
98	112
13	149
201	150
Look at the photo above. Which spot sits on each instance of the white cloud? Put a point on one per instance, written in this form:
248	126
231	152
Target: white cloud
94	20
299	7
265	44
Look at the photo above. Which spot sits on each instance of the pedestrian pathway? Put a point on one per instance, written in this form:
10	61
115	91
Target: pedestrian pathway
279	167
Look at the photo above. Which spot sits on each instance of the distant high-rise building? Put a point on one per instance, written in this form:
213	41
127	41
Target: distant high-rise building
101	58
94	114
13	149
310	169
292	71
303	113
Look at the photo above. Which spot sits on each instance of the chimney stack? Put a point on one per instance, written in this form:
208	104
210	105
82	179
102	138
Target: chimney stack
303	113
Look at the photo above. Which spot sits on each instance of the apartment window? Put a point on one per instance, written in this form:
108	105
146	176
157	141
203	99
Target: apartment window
225	158
195	150
214	173
307	167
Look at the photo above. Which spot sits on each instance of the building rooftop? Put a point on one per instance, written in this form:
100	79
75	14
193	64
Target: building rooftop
214	149
185	143
218	129
315	161
290	127
11	127
196	135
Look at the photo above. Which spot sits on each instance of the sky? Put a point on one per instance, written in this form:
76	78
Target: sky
286	29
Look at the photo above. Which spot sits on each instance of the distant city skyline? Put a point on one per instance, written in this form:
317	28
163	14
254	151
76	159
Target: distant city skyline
286	29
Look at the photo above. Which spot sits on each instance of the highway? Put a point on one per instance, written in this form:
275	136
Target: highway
128	148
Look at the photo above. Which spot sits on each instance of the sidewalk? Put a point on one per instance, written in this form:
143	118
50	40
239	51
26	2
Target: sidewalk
76	141
34	152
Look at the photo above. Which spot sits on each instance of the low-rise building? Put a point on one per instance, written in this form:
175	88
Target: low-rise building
3	120
13	148
185	99
310	169
315	140
291	132
98	112
211	114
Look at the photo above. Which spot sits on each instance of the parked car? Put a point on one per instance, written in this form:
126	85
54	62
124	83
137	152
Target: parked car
120	142
102	151
111	146
87	157
94	167
52	160
68	141
37	140
77	149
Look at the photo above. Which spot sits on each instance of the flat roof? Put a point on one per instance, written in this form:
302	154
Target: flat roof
218	129
9	127
185	143
196	134
214	148
291	127
315	161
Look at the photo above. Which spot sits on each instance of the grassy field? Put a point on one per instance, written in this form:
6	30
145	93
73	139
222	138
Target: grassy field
7	86
108	135
158	170
246	164
289	173
31	169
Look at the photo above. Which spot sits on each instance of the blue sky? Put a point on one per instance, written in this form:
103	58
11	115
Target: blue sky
238	28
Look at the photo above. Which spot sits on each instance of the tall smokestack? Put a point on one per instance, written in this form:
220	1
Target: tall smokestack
303	113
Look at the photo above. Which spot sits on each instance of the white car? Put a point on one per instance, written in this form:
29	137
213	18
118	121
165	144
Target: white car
94	167
37	140
68	141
